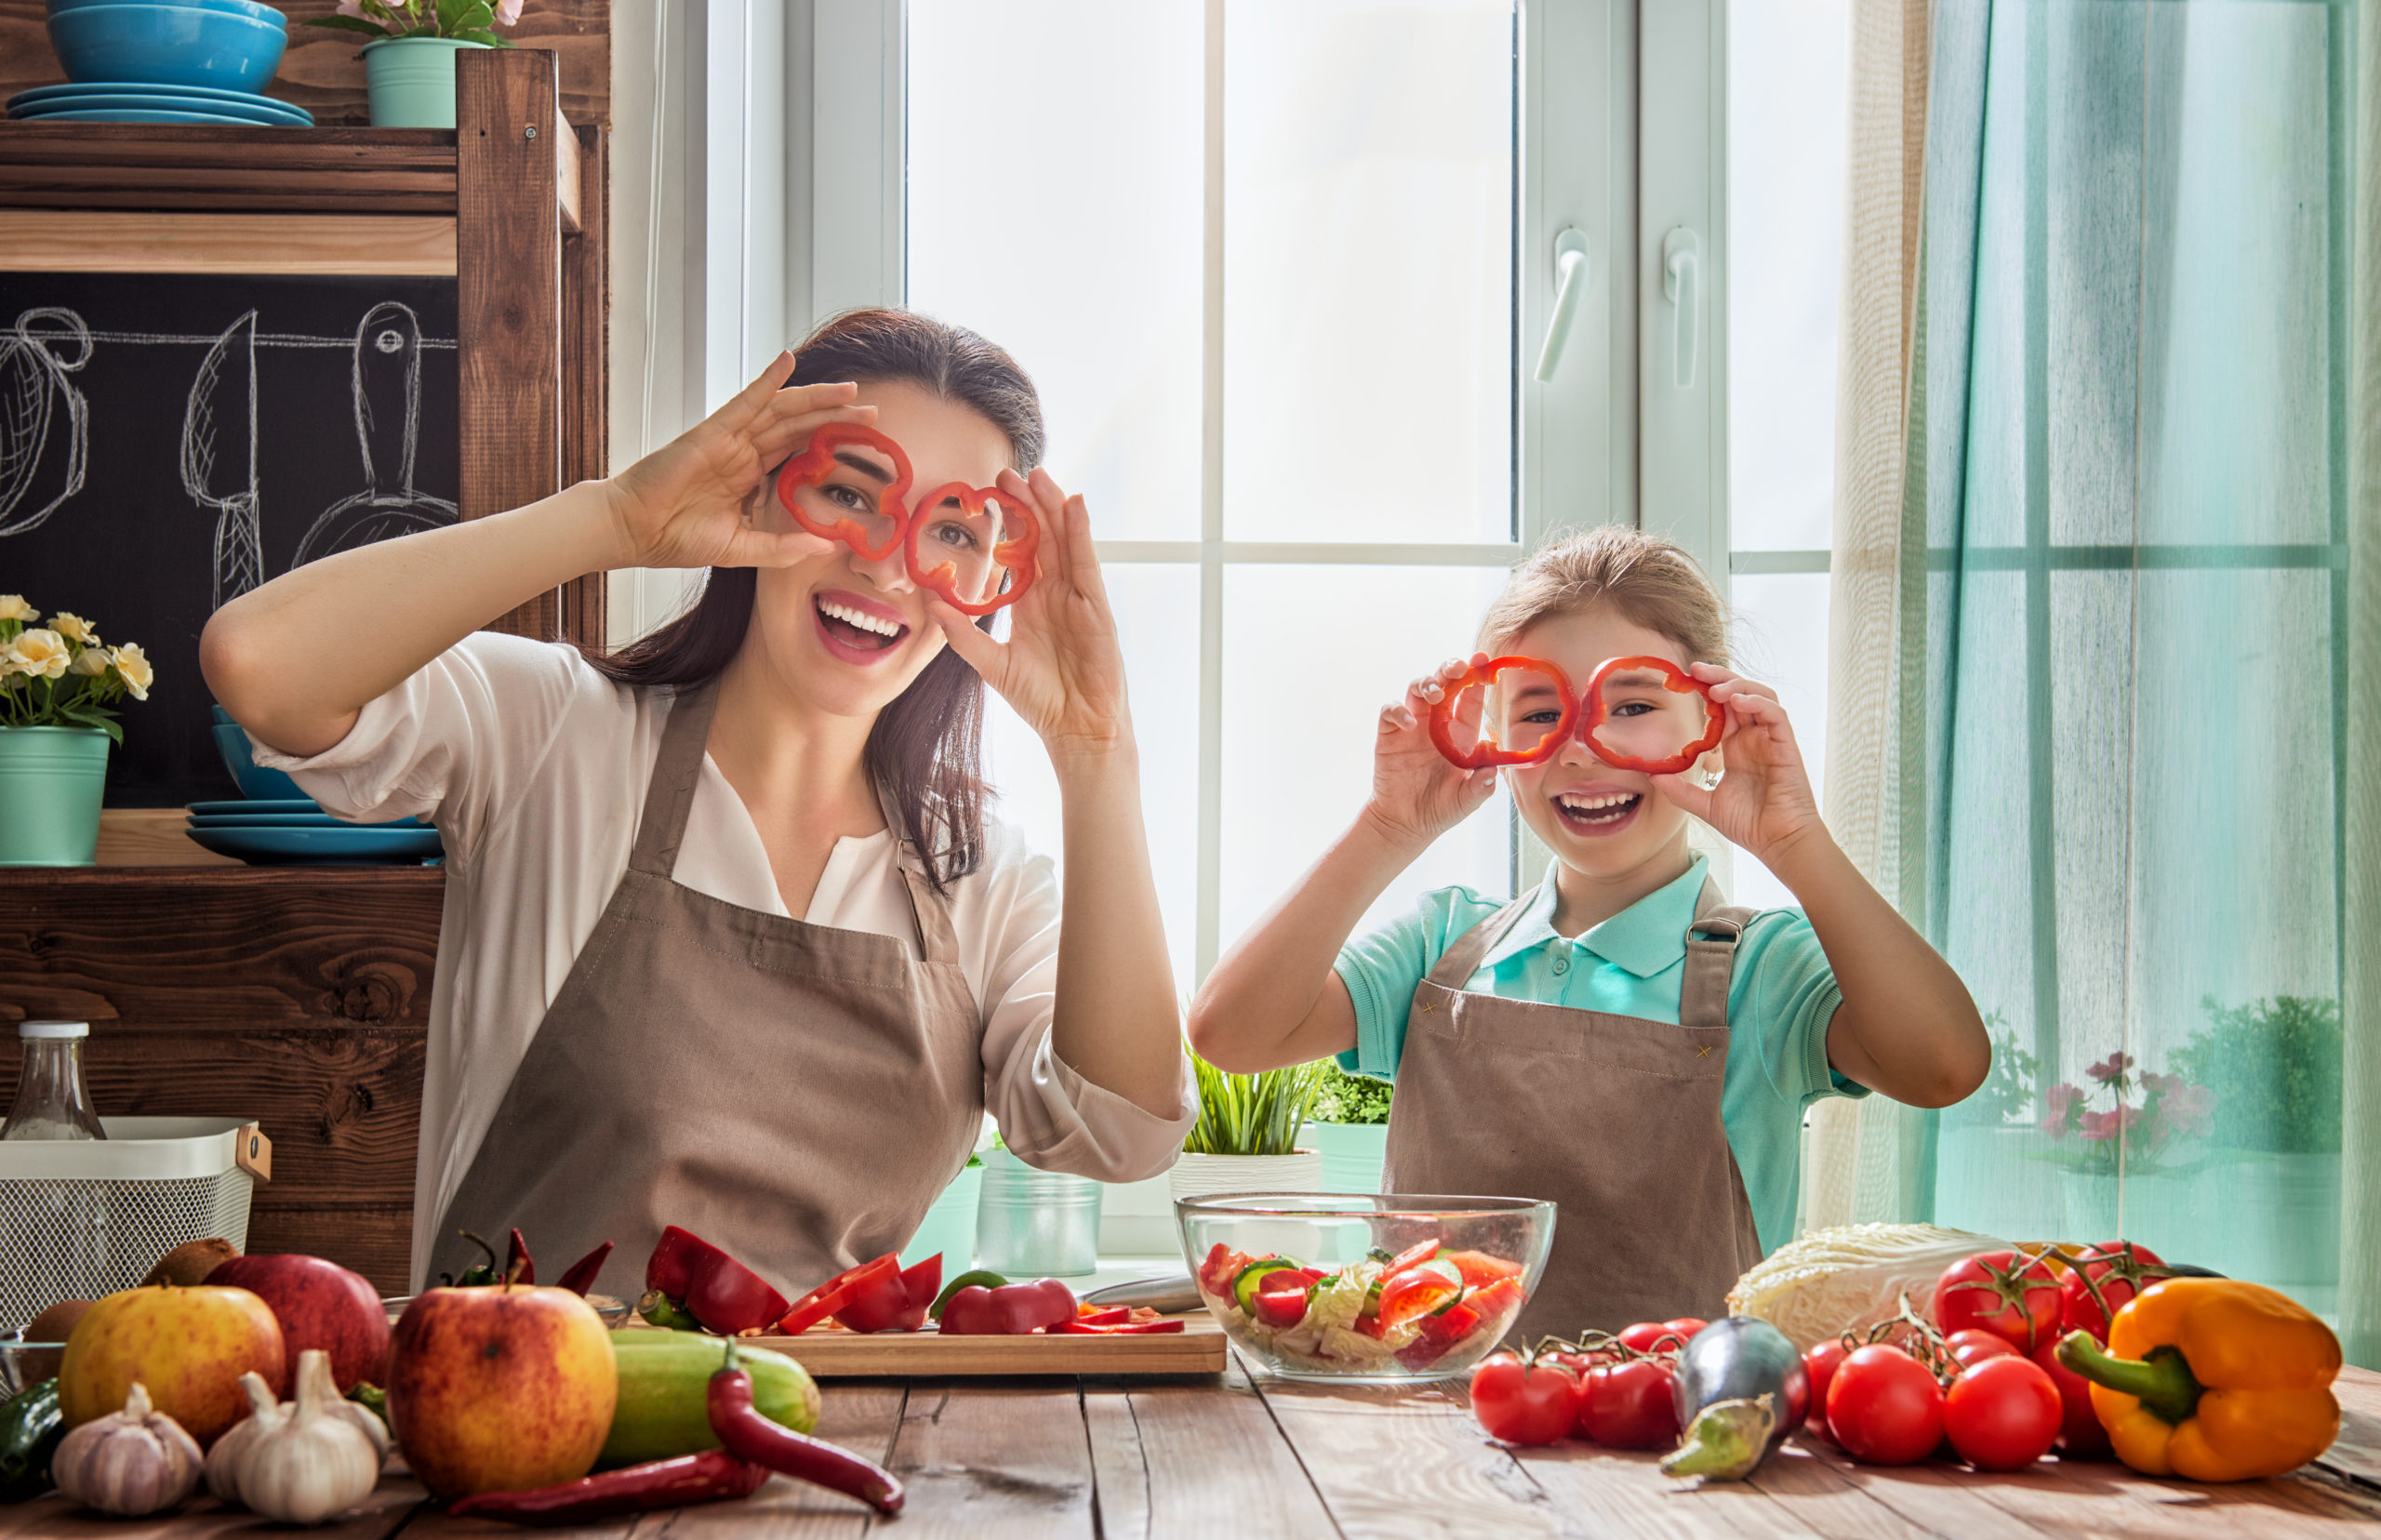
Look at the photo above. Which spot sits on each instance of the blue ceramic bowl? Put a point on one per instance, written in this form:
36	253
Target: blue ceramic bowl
167	46
257	782
237	8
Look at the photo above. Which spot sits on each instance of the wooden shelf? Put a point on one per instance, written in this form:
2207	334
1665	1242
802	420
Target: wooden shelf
227	170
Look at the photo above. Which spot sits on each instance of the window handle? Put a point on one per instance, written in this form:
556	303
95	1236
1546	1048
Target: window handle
1570	285
1681	253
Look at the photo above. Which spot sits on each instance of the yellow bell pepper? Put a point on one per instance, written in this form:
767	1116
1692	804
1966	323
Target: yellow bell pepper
2212	1380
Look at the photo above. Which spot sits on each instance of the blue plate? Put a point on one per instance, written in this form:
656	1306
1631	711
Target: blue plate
321	846
261	805
236	112
144	114
43	100
289	821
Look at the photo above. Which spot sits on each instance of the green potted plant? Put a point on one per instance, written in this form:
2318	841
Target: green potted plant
1350	1129
2276	1066
409	64
1246	1136
57	685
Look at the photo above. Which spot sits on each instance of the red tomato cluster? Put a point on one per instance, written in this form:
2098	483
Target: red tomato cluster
1620	1397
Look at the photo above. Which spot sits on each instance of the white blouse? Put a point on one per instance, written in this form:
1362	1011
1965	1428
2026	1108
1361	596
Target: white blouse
534	768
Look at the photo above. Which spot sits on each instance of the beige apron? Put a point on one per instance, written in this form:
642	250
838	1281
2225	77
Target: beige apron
1615	1117
796	1093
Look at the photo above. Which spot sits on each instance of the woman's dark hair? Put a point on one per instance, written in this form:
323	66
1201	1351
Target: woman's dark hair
925	752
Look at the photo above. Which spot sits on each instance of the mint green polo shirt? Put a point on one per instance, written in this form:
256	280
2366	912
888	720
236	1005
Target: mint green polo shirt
1780	1000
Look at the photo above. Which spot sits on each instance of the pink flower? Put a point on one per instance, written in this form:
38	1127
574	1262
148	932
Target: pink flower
507	12
2060	1100
2161	1085
2111	1068
2190	1110
2107	1125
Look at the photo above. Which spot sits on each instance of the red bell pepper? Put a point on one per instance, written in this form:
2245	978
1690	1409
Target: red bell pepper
722	1295
1114	1315
1011	1309
898	1304
1016	556
817	463
1487	751
1439	1332
1124	1328
838	1292
582	1276
1674	679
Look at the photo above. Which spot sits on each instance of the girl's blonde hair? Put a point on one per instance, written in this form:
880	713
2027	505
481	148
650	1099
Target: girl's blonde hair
1648	578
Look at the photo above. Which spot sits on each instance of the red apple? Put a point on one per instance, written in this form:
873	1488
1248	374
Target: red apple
500	1388
320	1304
188	1346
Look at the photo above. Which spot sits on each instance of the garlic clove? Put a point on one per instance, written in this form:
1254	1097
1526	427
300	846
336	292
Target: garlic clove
223	1461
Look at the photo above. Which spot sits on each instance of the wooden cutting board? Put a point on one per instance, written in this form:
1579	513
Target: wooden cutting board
1198	1349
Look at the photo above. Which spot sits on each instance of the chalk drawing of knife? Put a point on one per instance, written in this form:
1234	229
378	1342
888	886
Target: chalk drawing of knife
216	410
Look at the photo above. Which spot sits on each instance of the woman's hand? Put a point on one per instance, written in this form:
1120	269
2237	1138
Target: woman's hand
689	503
1417	794
1060	668
1763	801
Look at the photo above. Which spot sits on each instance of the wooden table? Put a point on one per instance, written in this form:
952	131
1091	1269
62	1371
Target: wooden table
1243	1457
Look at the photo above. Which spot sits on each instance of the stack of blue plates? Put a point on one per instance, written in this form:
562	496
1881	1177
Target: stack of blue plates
295	832
128	101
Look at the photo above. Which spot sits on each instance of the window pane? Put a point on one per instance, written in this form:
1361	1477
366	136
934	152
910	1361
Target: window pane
1781	640
1368	291
1055	177
1307	668
1786	60
1157	619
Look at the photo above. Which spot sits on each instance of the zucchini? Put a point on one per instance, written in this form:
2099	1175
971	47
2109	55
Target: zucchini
664	1378
31	1424
1244	1284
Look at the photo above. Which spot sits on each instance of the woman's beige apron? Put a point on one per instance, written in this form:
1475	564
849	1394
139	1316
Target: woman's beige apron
1615	1117
798	1095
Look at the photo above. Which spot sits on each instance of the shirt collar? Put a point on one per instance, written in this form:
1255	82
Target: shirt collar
1645	938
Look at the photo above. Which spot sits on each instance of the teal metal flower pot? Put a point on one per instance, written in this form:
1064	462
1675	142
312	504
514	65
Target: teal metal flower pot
51	781
411	80
949	1227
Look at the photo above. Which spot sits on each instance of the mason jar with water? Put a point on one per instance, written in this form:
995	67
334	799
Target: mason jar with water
1035	1224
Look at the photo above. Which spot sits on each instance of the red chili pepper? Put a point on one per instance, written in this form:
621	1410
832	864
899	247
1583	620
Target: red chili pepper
751	1436
1675	680
710	1477
1487	751
1014	555
582	1276
837	1292
1122	1328
1011	1309
817	463
516	1254
688	1274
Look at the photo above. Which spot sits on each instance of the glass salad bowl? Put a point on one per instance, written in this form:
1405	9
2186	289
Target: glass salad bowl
1364	1286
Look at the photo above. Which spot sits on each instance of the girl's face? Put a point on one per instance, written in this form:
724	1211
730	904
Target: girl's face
846	633
1598	820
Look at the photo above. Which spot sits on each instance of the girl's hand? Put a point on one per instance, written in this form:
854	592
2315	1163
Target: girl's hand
689	503
1763	801
1417	794
1060	667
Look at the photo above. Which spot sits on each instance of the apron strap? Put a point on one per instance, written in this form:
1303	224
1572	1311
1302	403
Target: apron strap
1711	940
672	791
929	910
1458	962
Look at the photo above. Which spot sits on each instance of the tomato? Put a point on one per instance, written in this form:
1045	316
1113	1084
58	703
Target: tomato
1416	1291
1439	1332
1524	1406
2013	1295
2003	1414
1646	1336
1479	1269
1972	1346
1499	1302
1284	1306
2118	1270
1685	1326
2080	1436
1883	1406
1221	1267
1820	1363
1629	1405
1412	1257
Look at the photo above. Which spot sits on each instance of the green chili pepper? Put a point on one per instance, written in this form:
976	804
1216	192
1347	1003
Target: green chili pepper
31	1426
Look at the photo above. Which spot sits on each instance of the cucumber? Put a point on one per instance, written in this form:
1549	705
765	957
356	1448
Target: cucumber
1245	1285
664	1378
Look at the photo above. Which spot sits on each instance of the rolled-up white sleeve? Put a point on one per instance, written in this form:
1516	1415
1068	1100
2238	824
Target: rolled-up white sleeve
1049	1115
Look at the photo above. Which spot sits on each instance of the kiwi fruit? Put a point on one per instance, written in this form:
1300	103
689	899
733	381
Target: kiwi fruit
187	1265
54	1325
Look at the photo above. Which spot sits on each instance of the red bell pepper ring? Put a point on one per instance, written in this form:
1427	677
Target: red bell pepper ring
1014	556
838	1292
1125	1328
1674	679
720	1292
582	1276
1488	751
898	1304
1013	1309
1115	1315
817	463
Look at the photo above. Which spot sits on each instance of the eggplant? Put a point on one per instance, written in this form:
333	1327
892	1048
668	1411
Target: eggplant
1740	1387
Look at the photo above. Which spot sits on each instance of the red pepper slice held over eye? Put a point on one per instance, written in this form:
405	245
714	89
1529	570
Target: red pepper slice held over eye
817	463
1014	556
1488	753
1674	679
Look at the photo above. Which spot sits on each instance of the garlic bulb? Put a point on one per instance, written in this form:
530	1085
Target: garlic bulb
362	1417
223	1460
128	1462
313	1462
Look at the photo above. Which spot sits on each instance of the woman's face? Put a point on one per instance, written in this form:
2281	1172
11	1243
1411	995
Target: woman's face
1596	819
842	632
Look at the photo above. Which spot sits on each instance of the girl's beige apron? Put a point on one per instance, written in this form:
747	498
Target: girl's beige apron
1616	1118
797	1093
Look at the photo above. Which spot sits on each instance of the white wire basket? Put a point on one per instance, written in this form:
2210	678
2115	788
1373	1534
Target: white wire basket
80	1219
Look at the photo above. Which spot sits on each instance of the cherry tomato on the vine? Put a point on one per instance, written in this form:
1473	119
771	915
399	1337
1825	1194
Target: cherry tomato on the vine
2080	1435
1630	1405
2013	1295
1648	1335
1524	1406
1820	1363
1972	1346
1884	1407
1685	1326
2003	1414
2116	1270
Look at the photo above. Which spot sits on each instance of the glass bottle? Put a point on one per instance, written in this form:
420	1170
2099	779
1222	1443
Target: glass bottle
51	1101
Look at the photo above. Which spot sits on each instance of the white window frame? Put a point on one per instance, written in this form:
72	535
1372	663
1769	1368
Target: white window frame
793	195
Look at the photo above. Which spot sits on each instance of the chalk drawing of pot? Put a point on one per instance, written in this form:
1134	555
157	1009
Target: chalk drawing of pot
35	397
388	418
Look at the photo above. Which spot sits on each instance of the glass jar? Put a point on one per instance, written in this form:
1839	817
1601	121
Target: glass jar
1035	1224
51	1100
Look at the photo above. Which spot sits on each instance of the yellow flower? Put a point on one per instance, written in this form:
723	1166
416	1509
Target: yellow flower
13	607
130	662
40	653
90	660
74	628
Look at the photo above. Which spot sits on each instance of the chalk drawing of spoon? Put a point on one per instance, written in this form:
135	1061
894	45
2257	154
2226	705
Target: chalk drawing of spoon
223	400
33	388
388	418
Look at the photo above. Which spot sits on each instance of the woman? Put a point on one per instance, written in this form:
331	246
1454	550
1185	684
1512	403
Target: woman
630	1027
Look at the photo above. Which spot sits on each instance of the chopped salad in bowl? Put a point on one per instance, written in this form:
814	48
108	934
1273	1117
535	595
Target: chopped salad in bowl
1365	1286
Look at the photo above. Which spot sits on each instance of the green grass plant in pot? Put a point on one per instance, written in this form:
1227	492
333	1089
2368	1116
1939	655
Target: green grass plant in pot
57	688
1350	1129
1247	1136
409	64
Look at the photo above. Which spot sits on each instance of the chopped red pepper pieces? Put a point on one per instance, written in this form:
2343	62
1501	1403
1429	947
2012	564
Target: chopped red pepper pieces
898	1304
1114	1315
1488	751
818	461
1014	557
1674	679
838	1292
687	1273
1125	1328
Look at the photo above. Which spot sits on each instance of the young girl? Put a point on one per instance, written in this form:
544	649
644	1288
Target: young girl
1618	1041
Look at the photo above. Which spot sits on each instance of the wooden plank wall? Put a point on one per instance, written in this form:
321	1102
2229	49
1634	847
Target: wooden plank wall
322	71
299	998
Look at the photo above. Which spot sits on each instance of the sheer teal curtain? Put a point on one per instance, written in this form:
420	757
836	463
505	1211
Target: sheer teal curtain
2131	432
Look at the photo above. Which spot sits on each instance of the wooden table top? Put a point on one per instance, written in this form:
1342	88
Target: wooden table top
1247	1456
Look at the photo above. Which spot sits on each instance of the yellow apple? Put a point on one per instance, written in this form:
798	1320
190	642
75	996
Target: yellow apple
188	1346
500	1388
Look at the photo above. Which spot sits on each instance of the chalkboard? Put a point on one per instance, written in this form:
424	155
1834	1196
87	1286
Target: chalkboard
170	441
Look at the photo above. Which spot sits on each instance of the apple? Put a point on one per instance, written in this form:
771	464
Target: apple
500	1387
320	1304
190	1347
